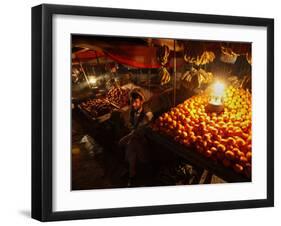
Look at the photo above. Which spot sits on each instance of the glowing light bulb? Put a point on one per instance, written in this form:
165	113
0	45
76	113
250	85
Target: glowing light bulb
218	89
217	93
92	80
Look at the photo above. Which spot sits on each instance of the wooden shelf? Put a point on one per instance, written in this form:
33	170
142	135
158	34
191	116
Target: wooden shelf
195	158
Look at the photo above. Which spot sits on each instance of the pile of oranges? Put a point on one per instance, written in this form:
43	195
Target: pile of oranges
224	137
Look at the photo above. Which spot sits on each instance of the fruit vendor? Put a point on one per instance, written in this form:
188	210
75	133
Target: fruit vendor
135	143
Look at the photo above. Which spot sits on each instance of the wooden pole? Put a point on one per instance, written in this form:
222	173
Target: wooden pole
175	73
84	73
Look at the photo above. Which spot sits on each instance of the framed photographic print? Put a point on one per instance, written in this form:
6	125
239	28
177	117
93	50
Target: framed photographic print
146	112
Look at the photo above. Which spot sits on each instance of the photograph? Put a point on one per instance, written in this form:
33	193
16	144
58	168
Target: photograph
142	112
148	112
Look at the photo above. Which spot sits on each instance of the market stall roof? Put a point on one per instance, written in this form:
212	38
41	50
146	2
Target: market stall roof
133	52
142	52
196	47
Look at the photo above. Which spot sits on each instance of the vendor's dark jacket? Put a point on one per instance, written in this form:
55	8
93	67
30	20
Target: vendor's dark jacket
139	119
135	141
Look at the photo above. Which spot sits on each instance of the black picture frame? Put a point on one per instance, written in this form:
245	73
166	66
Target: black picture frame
42	111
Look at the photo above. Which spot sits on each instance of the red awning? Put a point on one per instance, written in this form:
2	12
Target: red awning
88	55
137	56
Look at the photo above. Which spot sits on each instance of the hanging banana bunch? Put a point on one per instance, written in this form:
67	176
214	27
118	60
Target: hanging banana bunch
163	56
196	78
234	81
228	56
205	58
249	57
246	82
164	75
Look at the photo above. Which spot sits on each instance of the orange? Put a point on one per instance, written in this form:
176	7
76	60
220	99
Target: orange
221	148
192	139
169	119
249	156
216	143
229	155
230	141
174	123
245	136
184	134
213	149
186	142
208	153
238	168
240	142
204	144
243	160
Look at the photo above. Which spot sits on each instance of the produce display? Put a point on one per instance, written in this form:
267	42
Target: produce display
118	96
225	137
97	107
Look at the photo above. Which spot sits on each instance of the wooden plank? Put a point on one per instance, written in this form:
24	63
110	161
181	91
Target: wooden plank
195	158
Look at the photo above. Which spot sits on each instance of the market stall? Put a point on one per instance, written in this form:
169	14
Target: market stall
216	130
198	91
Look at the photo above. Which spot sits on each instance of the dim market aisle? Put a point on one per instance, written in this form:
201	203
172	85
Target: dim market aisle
106	168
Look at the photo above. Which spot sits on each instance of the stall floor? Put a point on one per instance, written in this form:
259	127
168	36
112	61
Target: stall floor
108	169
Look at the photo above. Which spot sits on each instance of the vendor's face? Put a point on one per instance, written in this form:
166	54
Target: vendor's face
136	104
